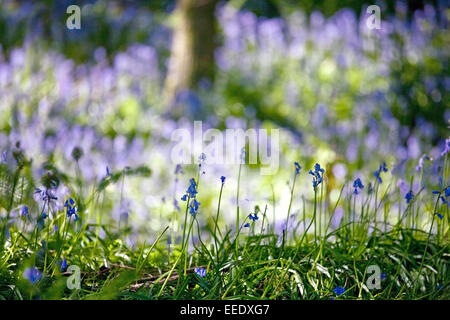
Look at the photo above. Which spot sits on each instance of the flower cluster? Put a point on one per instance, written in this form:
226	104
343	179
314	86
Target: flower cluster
357	185
191	190
317	175
71	209
193	207
377	173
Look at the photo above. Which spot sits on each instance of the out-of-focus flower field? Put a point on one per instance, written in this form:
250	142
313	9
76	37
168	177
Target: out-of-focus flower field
87	122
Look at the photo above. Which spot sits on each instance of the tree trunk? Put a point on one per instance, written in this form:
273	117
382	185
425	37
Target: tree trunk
192	55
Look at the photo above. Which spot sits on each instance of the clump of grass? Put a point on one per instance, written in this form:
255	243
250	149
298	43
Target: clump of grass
251	261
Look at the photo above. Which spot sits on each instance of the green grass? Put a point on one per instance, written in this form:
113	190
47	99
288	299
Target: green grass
254	263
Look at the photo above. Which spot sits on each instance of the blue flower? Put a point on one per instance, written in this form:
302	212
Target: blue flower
24	212
383	276
5	157
339	290
247	225
63	266
222	178
201	272
192	189
184	197
440	216
193	207
108	172
317	175
297	167
71	209
32	274
409	196
357	184
377	173
253	216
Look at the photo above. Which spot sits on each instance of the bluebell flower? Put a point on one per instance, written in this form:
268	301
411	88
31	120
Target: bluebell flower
357	184
5	157
71	209
383	276
440	216
184	197
202	157
192	189
33	275
193	207
297	167
377	174
317	175
409	196
63	265
108	172
201	272
24	212
339	290
253	216
222	178
247	225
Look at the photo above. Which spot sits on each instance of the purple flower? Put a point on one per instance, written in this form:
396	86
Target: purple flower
222	178
24	212
32	274
201	272
253	216
247	225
